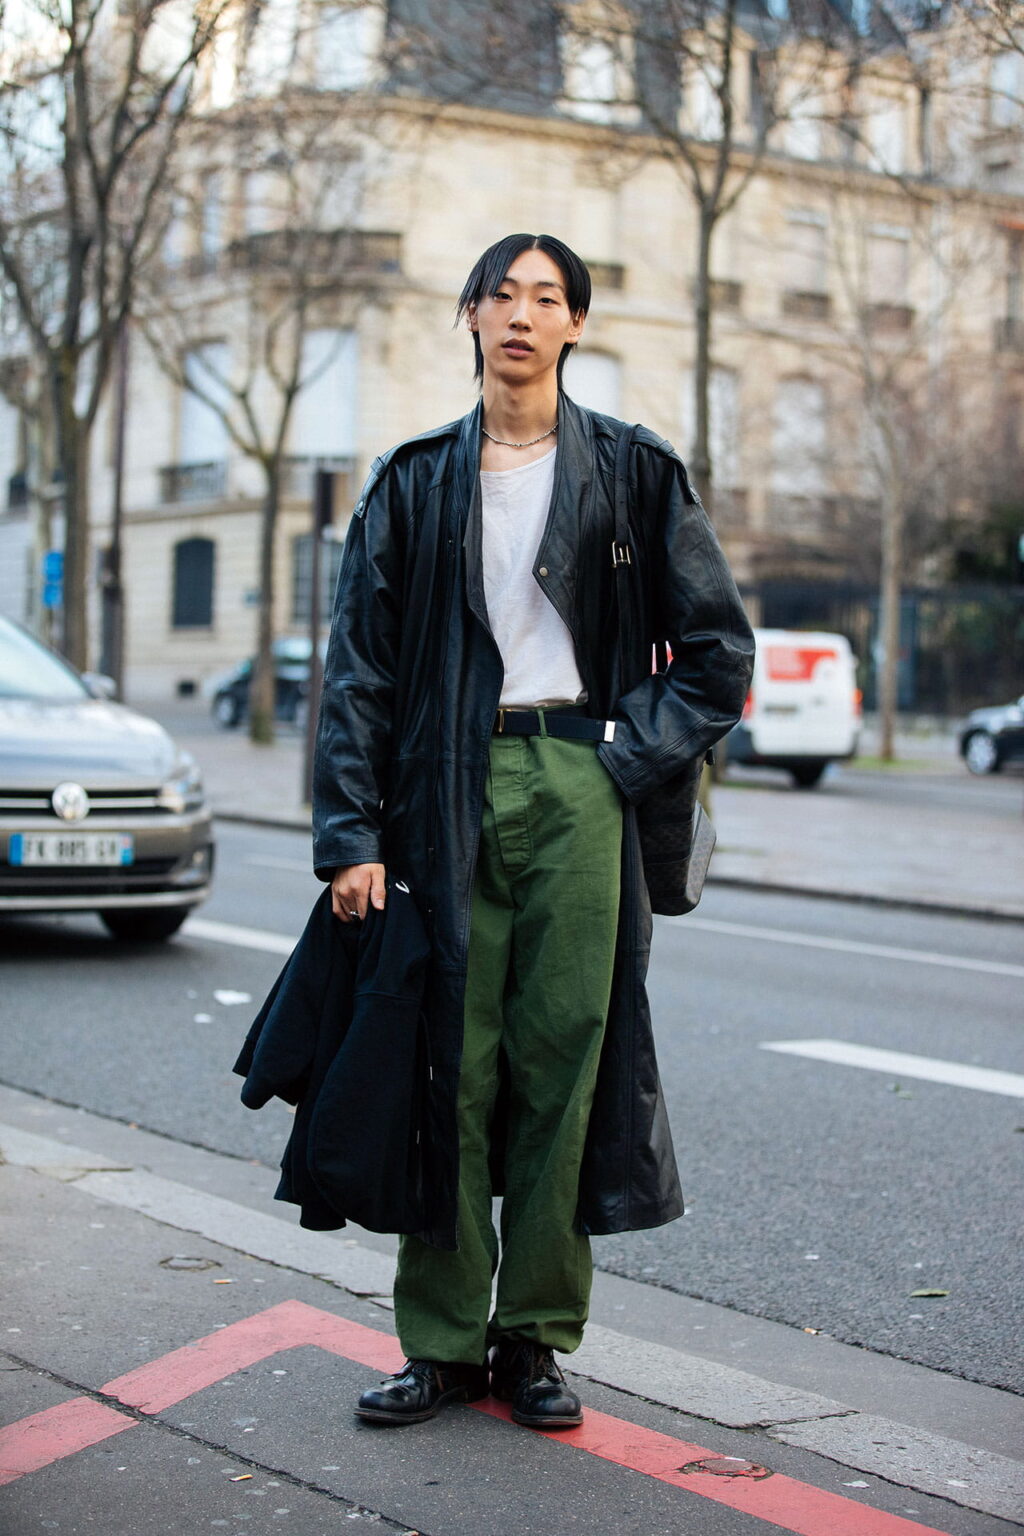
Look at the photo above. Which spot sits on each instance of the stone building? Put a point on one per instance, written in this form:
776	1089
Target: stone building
868	290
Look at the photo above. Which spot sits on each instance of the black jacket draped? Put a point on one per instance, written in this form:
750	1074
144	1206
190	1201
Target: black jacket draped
411	688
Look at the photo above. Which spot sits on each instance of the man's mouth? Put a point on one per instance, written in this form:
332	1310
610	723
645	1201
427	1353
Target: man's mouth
516	346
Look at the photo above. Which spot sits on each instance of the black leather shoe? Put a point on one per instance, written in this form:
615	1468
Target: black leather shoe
420	1389
525	1375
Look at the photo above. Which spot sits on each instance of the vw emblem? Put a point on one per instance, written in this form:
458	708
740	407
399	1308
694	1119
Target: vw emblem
70	801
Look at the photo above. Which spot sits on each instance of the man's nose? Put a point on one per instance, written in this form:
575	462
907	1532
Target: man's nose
520	315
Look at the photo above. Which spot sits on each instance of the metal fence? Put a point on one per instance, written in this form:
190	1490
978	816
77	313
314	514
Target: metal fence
960	646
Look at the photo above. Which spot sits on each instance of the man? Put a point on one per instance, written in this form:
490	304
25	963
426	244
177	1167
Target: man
479	741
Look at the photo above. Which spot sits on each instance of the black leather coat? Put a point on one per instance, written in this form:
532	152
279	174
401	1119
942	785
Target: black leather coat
412	683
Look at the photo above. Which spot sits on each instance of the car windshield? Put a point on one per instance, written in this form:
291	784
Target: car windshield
29	671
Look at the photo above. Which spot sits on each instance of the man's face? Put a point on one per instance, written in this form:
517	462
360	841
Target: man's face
526	322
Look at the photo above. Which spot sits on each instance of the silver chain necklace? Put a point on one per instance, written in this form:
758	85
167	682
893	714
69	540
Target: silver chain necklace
501	441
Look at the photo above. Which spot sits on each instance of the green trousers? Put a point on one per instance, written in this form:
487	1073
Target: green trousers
541	952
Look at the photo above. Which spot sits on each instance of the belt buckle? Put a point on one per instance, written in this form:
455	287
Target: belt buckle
499	729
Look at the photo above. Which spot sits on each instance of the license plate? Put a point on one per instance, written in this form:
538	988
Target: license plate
71	848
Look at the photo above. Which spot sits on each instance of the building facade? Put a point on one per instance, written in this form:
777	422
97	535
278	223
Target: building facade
867	290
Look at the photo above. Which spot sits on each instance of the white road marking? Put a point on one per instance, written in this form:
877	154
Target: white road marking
242	938
850	946
958	1074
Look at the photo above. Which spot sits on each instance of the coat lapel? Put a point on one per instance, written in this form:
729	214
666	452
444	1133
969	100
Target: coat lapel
557	562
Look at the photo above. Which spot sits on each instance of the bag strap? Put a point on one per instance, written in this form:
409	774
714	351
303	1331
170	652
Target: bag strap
622	558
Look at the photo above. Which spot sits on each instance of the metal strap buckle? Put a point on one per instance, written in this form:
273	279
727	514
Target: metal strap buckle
620	554
500	726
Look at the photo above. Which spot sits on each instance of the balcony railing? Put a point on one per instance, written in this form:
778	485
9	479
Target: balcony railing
346	252
193	482
806	304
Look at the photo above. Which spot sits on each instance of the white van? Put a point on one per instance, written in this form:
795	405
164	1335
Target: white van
803	710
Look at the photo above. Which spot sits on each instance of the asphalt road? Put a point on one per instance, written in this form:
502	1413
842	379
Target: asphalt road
821	1193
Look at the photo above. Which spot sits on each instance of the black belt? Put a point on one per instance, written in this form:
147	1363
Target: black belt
571	727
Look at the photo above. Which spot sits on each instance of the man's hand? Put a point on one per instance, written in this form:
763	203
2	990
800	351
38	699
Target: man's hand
356	888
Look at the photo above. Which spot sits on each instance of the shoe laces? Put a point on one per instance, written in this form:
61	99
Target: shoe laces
421	1369
538	1361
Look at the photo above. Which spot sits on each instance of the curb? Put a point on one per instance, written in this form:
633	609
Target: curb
737	882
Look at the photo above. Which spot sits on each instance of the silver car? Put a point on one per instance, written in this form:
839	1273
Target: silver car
99	810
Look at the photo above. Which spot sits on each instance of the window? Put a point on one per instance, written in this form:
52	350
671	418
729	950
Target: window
323	423
885	134
302	575
591	72
271	35
888	255
799	438
1006	85
723	424
212	217
594	379
803	131
202	433
347	40
703	103
12	457
267	199
193	584
806	263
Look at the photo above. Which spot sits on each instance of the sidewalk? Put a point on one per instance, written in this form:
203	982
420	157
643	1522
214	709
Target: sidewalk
922	833
181	1357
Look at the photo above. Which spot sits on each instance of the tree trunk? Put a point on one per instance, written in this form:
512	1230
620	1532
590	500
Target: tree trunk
71	461
261	698
700	461
889	623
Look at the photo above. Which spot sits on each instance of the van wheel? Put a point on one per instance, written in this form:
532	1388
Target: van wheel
807	775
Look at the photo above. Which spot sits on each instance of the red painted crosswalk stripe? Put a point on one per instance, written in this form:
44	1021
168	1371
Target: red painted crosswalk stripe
44	1438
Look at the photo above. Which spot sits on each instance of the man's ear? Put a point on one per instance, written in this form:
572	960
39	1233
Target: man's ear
576	329
471	320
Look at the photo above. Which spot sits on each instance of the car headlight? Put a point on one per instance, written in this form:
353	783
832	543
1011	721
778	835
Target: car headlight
183	790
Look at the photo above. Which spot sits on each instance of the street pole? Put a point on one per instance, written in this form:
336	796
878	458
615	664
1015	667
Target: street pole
323	516
113	586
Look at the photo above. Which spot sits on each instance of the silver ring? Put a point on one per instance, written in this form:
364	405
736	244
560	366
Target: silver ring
353	914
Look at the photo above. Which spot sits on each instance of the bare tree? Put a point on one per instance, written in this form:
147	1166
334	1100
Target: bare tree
711	83
288	167
97	93
918	406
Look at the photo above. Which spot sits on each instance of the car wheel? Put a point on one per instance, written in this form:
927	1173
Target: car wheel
981	753
807	775
226	711
144	927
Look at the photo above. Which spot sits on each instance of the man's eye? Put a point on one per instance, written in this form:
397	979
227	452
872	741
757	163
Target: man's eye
499	295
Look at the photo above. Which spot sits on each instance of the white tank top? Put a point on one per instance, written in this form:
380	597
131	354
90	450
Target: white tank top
536	647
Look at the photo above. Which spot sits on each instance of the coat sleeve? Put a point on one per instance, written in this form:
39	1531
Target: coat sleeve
353	744
673	716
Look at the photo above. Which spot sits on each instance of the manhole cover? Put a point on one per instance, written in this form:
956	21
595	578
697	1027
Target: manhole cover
727	1466
185	1261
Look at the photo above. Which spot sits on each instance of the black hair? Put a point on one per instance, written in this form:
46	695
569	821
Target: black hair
490	271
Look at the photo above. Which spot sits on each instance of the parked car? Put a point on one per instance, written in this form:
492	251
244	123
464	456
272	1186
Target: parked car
991	737
291	684
803	710
99	810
